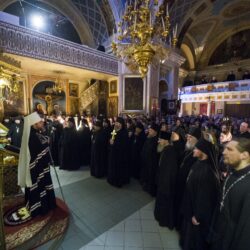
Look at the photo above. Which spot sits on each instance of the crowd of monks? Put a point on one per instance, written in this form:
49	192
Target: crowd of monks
179	161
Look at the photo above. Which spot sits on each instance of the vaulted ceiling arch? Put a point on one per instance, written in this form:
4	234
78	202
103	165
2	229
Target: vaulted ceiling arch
213	44
70	11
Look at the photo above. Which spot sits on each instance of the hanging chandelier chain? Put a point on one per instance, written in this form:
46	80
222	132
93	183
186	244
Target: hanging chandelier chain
142	33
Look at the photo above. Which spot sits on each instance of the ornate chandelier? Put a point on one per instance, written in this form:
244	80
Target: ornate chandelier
59	83
142	34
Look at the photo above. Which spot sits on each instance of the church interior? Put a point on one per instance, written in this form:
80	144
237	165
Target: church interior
86	59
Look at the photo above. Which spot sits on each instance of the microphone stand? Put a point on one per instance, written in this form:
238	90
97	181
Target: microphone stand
53	165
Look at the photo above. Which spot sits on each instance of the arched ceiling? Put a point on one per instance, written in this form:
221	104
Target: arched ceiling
87	16
204	24
99	16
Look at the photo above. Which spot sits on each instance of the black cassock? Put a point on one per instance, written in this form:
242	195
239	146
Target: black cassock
149	160
232	225
98	166
118	168
166	185
137	146
56	129
69	155
200	199
131	138
182	175
15	133
84	135
40	197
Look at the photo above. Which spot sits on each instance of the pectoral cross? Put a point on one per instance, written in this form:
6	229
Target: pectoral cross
113	134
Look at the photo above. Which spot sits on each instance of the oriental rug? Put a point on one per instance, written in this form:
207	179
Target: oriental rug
38	230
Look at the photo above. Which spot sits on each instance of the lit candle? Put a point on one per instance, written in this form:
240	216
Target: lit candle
135	21
175	31
163	23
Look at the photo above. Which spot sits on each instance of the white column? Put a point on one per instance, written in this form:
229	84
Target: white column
208	108
152	86
181	109
173	83
120	88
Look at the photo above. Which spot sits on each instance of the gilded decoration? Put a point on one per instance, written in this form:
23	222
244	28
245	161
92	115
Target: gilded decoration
25	234
89	95
11	87
73	89
210	87
113	106
193	89
74	106
143	31
113	87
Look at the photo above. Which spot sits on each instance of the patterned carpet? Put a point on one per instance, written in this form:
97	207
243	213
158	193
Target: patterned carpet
37	231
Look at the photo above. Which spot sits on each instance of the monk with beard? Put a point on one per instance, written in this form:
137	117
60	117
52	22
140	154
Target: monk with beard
166	181
193	136
118	167
149	157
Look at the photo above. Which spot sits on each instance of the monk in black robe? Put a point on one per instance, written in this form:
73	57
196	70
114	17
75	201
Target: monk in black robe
98	152
69	155
131	136
200	198
166	182
107	129
193	136
139	140
84	135
118	168
150	157
39	192
231	229
56	129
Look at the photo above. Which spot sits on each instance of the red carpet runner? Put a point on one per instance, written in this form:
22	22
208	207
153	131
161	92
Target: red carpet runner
37	231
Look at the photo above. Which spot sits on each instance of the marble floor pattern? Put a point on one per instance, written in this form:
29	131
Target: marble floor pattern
108	218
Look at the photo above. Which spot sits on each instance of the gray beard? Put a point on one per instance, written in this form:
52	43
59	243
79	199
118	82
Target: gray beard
160	148
189	146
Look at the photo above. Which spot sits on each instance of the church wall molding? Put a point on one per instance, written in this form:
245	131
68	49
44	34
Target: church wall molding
29	43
